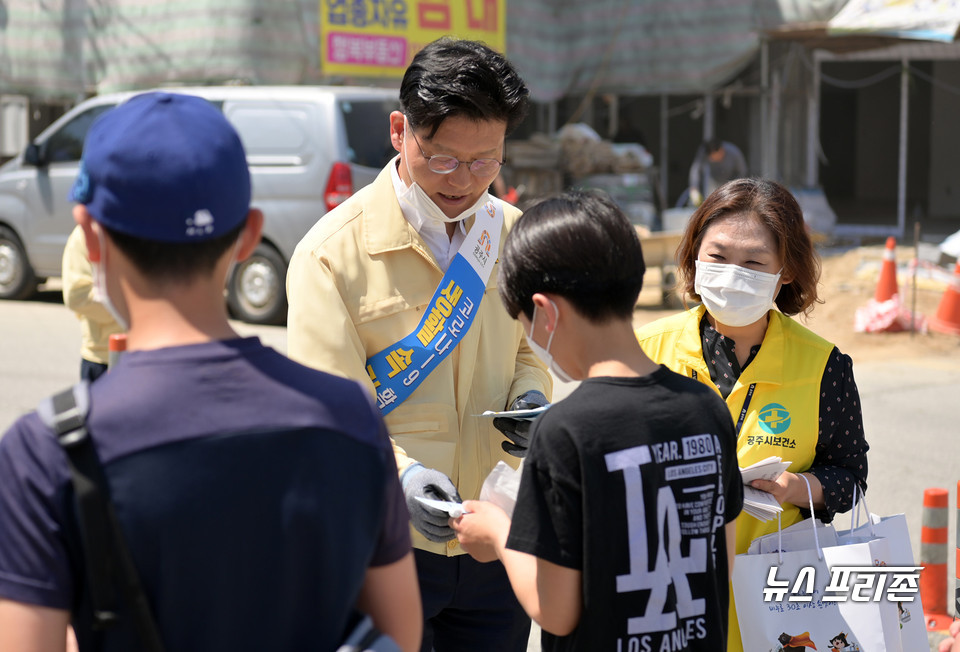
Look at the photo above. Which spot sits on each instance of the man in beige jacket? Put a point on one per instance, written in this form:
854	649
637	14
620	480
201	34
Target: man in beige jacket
81	296
397	288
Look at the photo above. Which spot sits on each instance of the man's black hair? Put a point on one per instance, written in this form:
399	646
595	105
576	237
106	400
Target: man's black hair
174	262
580	246
713	145
453	77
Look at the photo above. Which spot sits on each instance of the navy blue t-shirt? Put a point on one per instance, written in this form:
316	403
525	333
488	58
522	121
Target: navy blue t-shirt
253	493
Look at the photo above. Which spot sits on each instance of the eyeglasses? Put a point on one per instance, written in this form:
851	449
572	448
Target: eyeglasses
443	164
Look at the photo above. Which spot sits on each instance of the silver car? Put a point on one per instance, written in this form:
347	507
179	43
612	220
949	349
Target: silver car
308	148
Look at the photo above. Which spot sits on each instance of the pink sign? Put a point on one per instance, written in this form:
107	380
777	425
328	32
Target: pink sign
367	50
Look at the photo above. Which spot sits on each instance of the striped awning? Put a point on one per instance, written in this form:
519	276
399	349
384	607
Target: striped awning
65	48
631	47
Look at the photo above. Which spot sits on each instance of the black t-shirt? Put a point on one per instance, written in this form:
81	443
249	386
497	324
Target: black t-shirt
631	480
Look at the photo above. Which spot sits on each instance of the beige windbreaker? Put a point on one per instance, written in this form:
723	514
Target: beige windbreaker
96	323
358	282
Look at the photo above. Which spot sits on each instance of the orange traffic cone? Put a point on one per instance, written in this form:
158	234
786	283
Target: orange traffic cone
933	558
887	284
947	319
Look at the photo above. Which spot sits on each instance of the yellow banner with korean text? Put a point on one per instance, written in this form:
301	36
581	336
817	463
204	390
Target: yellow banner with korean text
378	38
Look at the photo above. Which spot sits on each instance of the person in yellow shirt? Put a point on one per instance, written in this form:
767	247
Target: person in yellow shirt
747	256
397	289
81	295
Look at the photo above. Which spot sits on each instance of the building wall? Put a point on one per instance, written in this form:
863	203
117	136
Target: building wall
944	162
877	127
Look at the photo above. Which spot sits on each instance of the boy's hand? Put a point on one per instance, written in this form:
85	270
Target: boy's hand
483	530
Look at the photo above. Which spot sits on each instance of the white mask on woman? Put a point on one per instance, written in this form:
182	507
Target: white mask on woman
735	296
544	353
416	198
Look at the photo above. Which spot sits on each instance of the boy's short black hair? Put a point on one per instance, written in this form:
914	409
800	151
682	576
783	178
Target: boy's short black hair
580	246
174	262
454	77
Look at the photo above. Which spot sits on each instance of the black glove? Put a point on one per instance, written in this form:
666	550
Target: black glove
417	480
518	430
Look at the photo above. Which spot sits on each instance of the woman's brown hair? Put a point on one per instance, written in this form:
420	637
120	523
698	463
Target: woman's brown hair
779	211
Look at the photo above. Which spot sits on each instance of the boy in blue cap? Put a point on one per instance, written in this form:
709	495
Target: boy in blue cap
223	458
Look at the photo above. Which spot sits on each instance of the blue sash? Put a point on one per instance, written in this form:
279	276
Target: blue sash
399	369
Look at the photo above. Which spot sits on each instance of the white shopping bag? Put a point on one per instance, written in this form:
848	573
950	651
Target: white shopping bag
794	537
913	631
780	602
790	600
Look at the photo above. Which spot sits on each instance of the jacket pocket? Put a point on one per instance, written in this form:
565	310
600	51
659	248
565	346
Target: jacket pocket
428	434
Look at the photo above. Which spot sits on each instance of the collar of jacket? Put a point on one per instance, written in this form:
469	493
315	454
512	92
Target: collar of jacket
767	366
384	226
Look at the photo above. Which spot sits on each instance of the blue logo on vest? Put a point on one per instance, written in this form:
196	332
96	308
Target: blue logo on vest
774	418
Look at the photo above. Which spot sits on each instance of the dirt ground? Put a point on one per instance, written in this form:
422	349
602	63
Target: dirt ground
848	281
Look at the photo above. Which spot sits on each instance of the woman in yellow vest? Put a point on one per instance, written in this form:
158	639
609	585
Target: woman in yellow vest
790	392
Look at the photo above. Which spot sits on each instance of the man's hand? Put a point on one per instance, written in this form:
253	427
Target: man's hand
419	481
483	530
518	430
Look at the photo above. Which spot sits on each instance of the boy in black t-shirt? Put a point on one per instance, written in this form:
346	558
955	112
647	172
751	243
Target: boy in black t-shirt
622	536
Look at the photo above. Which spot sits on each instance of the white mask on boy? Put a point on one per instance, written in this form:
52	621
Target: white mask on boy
544	353
100	286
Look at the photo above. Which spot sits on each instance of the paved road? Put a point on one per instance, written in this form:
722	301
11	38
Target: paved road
911	406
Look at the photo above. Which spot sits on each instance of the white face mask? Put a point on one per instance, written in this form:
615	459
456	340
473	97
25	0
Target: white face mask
417	199
544	353
100	292
733	295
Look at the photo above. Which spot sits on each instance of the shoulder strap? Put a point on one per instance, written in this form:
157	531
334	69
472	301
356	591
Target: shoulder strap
102	541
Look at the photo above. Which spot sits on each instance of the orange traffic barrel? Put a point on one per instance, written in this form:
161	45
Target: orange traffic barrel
933	558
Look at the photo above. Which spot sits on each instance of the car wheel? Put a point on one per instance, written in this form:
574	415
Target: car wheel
256	291
17	280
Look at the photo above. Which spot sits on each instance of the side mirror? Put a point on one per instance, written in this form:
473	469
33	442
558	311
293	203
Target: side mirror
33	156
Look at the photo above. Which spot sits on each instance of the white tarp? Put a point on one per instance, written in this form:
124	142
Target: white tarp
929	20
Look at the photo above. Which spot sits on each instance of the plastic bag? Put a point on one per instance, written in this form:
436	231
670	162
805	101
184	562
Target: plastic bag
501	486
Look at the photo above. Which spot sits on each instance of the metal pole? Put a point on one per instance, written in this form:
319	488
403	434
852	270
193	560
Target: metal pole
902	172
765	109
813	128
775	124
664	145
707	116
614	123
916	268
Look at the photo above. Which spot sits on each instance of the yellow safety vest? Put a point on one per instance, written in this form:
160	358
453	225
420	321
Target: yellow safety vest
776	401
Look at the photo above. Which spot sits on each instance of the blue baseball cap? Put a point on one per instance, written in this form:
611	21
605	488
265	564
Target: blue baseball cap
166	167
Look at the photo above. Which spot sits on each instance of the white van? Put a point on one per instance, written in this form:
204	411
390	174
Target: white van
308	147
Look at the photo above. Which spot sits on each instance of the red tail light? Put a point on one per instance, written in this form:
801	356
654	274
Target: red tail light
339	185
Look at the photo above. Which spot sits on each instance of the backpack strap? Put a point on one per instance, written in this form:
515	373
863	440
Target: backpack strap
105	552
